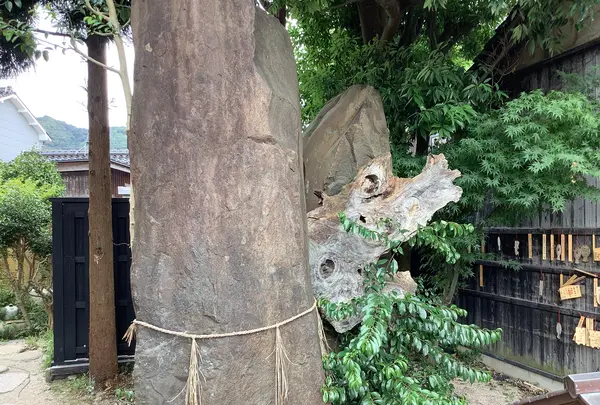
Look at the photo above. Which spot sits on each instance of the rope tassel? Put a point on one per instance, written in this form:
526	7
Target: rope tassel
193	387
130	333
280	357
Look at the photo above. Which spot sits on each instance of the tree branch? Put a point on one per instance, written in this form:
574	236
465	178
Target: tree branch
97	12
410	28
86	57
394	12
431	28
346	3
56	34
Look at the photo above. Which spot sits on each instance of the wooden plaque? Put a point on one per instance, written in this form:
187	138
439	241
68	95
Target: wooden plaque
530	245
551	247
544	247
570	248
481	265
570	292
563	250
594	339
579	337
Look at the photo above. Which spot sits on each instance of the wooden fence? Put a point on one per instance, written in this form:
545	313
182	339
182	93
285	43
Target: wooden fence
526	303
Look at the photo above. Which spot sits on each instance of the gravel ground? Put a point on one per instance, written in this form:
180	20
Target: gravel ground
22	381
501	390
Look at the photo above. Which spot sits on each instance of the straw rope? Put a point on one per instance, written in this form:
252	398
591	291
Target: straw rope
193	387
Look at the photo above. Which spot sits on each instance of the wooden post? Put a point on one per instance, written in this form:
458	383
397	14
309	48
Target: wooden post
481	265
102	341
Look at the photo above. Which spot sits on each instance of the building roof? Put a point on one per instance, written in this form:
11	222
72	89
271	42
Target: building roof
7	94
119	157
580	389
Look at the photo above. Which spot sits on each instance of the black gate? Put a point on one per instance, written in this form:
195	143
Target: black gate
70	259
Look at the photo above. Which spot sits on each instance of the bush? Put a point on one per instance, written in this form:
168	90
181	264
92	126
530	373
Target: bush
405	350
7	297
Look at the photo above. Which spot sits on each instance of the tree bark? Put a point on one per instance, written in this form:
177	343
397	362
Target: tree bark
220	226
102	336
371	22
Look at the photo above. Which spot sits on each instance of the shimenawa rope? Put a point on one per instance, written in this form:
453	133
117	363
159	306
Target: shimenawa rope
193	388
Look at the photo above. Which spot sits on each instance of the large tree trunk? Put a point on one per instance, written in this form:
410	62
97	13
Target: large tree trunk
220	228
102	344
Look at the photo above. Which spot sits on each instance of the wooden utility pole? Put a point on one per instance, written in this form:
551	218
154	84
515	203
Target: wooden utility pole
102	343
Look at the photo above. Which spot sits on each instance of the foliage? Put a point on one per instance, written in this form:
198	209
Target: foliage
423	92
404	350
531	154
66	136
14	51
22	43
26	184
82	387
36	168
7	296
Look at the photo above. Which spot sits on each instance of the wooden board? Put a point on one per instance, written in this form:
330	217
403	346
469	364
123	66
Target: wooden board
570	248
594	339
563	248
570	292
481	265
551	247
529	246
544	247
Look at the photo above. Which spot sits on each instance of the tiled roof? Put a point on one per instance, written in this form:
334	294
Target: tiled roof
62	156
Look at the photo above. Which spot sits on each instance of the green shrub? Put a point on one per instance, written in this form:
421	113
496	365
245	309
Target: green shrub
7	297
405	350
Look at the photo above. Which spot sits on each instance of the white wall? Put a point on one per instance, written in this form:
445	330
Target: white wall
16	135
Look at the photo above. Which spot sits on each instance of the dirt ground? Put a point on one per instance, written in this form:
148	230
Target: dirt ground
500	391
22	382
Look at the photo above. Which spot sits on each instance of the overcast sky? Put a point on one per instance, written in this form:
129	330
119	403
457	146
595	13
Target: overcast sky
57	87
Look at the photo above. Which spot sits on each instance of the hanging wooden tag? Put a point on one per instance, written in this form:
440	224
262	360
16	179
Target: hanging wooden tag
481	265
595	250
596	293
570	248
551	247
529	245
569	281
544	247
541	287
589	327
569	292
594	339
563	250
579	337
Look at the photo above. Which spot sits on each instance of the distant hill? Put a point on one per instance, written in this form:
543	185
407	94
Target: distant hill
66	136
